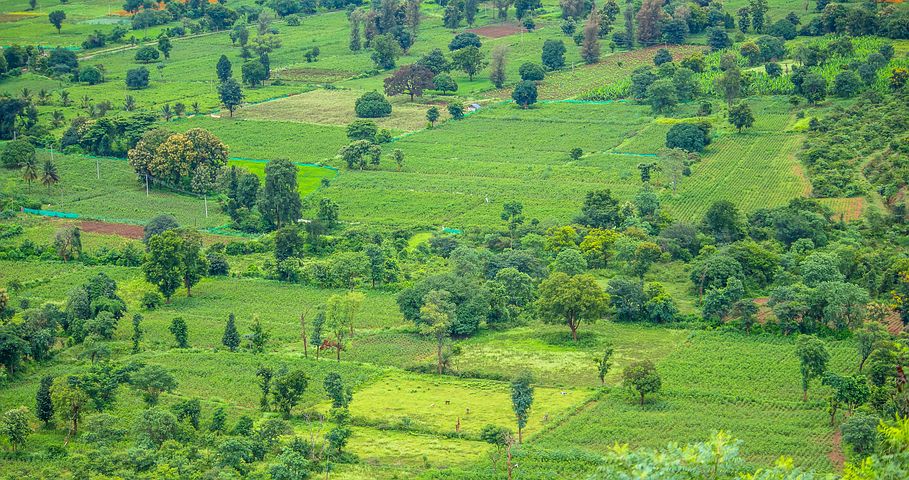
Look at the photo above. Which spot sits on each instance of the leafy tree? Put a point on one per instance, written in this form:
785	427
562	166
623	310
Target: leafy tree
13	349
152	380
14	426
137	333
56	19
432	115
813	358
253	73
386	51
531	72
469	60
718	39
189	409
334	387
687	136
846	84
44	406
571	300
437	315
157	225
231	95
69	402
813	88
497	66
723	221
359	153
224	69
860	432
178	330
280	204
410	80
600	210
522	400
329	212
663	95
642	378
257	339
68	243
147	54
553	56
444	83
165	46
740	116
464	40
288	389
137	78
156	426
435	61
662	56
265	375
604	363
18	153
525	93
847	391
218	419
869	337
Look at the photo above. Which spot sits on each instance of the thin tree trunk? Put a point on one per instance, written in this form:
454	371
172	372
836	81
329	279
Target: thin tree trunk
303	335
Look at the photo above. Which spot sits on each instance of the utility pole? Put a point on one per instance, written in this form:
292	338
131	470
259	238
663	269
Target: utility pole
98	168
146	184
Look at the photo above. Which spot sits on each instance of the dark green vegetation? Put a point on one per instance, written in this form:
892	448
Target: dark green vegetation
405	239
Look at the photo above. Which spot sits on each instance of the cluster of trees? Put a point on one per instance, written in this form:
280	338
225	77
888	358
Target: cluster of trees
389	28
193	160
859	19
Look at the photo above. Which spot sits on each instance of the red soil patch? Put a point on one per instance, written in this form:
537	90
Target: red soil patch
893	323
498	31
134	232
836	452
763	310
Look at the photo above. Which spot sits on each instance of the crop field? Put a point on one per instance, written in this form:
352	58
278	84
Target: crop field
418	289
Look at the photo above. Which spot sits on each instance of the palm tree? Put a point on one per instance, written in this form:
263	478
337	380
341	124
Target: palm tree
129	104
167	112
42	97
64	98
30	171
196	108
87	104
57	118
50	176
27	95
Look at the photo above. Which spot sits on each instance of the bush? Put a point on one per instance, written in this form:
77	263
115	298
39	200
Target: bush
531	72
137	78
147	54
292	20
16	153
152	300
90	75
662	56
773	69
372	105
688	136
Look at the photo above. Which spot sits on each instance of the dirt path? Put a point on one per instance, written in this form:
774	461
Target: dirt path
836	452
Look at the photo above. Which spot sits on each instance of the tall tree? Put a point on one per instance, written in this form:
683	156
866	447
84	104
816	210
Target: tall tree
14	426
497	66
590	46
178	330
813	358
410	80
44	406
224	69
231	338
629	23
280	204
650	19
163	266
436	316
288	389
69	402
231	94
56	19
642	378
522	400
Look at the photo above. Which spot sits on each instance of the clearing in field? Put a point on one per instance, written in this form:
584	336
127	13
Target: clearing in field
336	107
498	31
443	405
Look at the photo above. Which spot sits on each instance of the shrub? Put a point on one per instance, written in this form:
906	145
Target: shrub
531	72
90	75
444	83
372	105
152	300
147	54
